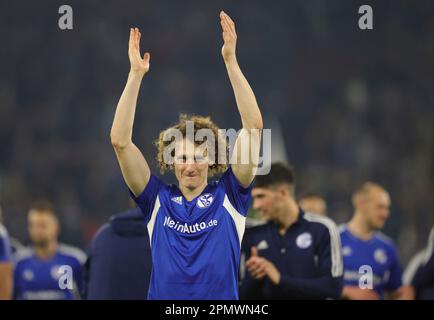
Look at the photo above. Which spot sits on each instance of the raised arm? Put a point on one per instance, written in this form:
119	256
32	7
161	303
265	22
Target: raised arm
251	117
134	167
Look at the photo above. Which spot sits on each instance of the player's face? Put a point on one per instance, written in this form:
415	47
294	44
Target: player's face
191	165
43	227
377	208
313	205
267	201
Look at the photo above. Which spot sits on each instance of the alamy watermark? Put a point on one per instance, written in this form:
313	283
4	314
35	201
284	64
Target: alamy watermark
66	21
366	280
366	21
66	280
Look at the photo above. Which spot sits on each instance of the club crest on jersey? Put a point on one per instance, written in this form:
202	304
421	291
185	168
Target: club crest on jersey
380	256
347	251
178	200
263	245
54	272
204	201
304	240
28	275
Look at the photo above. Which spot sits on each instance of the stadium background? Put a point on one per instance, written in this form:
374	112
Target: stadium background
349	105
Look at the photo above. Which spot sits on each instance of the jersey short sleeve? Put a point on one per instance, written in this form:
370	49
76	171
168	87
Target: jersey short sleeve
239	196
146	200
395	277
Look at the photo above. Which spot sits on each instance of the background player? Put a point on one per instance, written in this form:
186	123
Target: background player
422	280
36	274
295	255
313	203
5	263
364	245
119	264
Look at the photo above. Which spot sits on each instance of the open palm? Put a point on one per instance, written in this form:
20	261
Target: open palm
229	37
138	64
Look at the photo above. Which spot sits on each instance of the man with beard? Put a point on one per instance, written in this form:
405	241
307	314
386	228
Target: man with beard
47	270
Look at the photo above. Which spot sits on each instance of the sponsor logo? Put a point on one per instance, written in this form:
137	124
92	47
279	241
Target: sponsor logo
188	228
178	200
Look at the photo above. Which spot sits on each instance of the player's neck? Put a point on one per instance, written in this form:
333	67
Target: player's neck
46	252
289	217
359	228
189	193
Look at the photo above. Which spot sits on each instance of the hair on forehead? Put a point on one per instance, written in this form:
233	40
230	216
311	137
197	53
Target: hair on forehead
280	174
310	195
181	127
43	205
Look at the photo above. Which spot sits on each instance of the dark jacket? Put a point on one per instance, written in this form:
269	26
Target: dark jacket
119	264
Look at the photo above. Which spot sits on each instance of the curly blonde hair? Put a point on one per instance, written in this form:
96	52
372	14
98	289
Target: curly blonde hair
199	123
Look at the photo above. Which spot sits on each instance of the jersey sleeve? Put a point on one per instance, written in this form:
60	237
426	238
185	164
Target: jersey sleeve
395	276
238	196
146	200
78	272
249	288
330	260
17	289
424	276
5	246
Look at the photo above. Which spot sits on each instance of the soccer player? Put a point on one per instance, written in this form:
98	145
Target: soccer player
313	203
295	255
38	269
369	256
14	243
422	282
195	227
5	264
119	264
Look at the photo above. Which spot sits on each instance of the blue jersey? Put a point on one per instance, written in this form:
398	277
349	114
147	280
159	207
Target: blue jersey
36	279
195	244
5	246
379	253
